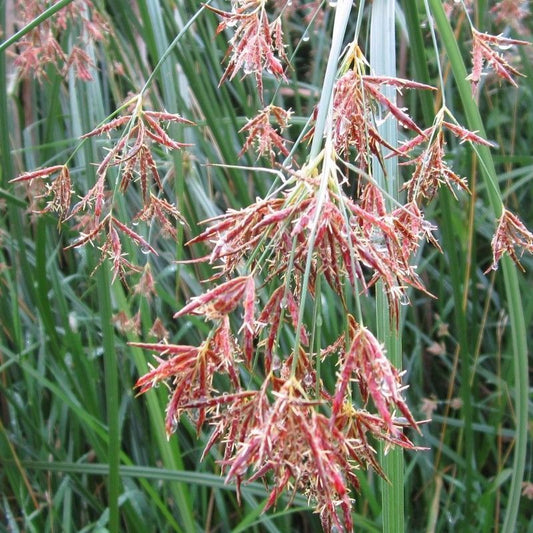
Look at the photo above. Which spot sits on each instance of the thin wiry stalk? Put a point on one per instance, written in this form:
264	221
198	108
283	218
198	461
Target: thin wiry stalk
52	10
516	315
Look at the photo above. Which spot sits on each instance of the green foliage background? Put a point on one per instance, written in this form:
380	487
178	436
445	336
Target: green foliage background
74	441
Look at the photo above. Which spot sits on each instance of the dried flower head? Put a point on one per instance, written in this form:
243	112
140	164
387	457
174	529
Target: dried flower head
366	362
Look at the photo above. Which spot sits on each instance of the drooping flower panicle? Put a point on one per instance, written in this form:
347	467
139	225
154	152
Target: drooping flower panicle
256	45
510	235
487	49
255	379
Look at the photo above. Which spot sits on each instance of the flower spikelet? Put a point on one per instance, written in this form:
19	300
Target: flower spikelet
510	234
132	154
112	228
235	419
60	188
377	378
191	370
217	302
356	100
303	452
432	171
412	228
358	425
271	319
263	135
485	49
255	43
348	238
384	246
164	212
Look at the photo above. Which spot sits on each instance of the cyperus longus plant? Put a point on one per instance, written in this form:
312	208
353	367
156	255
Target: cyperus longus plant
329	226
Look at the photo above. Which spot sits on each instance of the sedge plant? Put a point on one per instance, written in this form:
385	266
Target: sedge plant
288	301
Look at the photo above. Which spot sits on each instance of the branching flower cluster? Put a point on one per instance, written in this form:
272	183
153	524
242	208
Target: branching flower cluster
266	138
272	259
487	49
132	156
309	438
257	44
357	98
44	45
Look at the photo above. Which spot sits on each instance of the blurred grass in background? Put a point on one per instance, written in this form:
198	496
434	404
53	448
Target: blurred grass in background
78	452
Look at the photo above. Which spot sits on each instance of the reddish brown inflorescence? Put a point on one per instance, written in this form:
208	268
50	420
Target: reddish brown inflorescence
42	46
263	396
487	49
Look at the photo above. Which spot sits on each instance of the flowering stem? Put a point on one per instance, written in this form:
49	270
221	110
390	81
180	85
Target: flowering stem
516	315
328	167
383	63
342	14
112	396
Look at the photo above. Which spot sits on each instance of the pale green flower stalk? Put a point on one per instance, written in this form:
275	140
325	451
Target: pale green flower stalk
383	63
323	123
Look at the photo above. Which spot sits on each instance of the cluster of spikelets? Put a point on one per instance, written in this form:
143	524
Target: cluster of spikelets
42	46
132	155
292	430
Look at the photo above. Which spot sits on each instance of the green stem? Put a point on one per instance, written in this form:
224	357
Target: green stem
516	315
383	63
112	395
34	23
342	15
